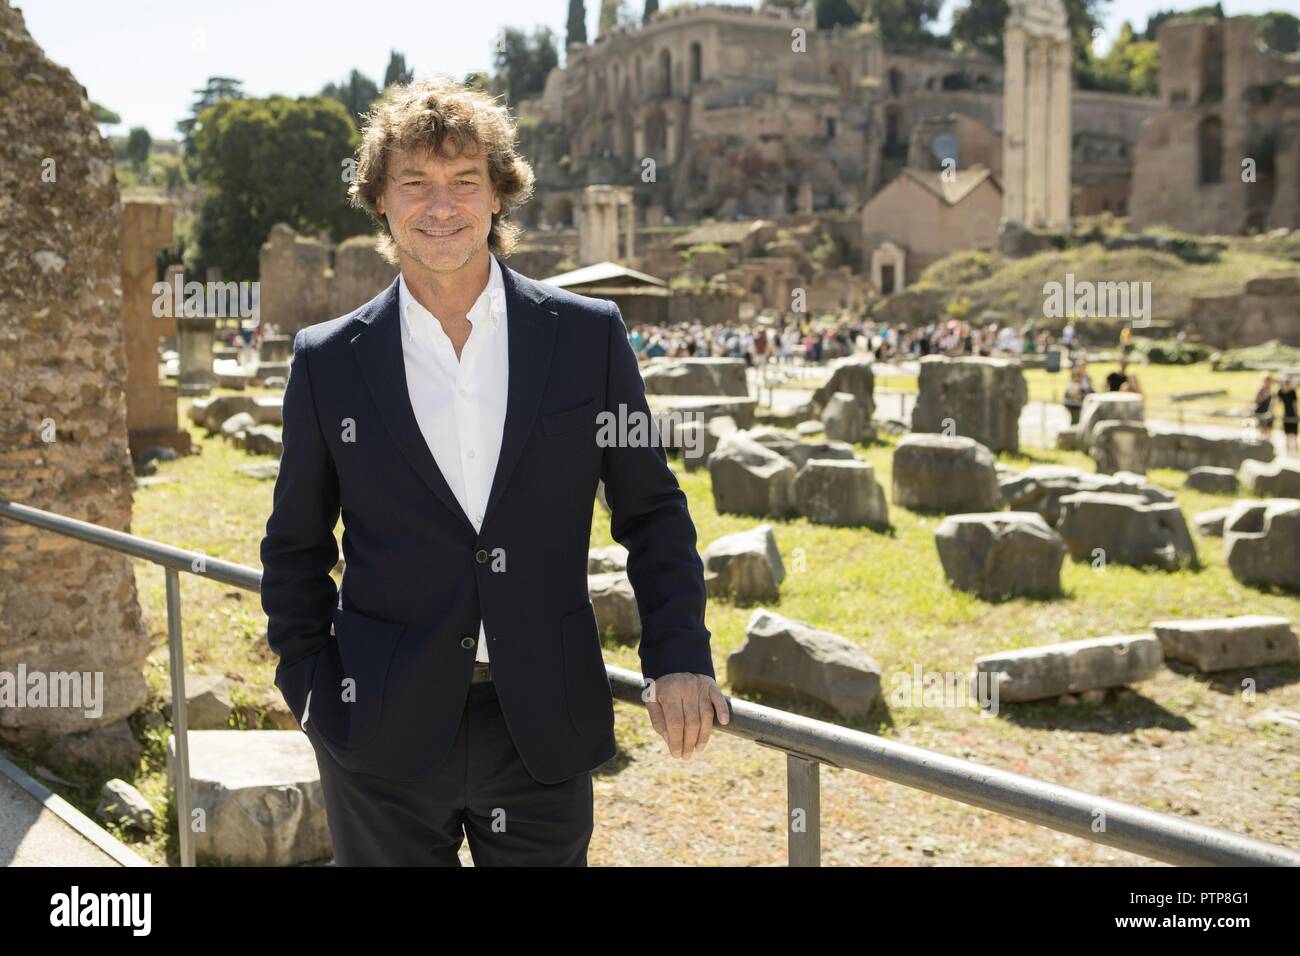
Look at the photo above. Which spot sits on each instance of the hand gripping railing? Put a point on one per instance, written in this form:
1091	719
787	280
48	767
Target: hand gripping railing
807	744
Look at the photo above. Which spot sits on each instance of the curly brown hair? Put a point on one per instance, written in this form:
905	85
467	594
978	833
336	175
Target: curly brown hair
448	119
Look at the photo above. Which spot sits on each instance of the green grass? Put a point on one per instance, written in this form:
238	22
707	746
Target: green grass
885	591
1160	383
1014	287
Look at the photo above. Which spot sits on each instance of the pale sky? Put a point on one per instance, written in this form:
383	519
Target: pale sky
143	58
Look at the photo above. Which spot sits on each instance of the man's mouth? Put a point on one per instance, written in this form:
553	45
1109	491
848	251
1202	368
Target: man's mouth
441	233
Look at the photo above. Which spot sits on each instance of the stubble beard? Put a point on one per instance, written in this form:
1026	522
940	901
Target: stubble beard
415	254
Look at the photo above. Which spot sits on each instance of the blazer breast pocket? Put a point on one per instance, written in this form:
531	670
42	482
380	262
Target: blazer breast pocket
557	423
347	700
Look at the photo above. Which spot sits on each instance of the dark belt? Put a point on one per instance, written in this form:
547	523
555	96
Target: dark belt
482	672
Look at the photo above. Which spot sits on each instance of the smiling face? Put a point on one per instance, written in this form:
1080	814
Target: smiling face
439	210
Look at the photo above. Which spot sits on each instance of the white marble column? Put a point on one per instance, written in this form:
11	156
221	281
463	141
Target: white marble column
1013	126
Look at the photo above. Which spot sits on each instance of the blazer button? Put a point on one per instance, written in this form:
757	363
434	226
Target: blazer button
481	556
467	642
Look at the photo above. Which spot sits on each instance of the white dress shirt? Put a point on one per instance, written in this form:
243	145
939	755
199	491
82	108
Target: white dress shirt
460	405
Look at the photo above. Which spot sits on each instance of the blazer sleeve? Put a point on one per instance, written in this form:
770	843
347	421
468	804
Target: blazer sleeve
649	517
299	549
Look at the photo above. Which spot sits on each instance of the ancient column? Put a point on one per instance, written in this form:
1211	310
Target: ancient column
150	404
1013	126
1036	126
1036	115
601	219
194	336
1060	138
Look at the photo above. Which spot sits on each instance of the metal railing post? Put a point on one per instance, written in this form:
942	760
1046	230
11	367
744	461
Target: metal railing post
180	720
804	810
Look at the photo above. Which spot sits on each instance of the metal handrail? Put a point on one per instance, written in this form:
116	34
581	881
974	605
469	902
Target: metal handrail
808	744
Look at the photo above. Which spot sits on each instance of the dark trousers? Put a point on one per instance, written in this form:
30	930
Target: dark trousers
483	793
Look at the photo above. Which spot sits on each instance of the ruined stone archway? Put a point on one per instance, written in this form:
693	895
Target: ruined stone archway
625	127
560	212
656	134
665	73
888	268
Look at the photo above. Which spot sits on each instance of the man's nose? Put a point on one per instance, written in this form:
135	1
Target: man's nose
440	201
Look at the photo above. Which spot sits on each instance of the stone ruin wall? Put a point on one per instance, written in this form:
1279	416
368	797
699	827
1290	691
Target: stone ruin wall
301	287
1268	307
64	606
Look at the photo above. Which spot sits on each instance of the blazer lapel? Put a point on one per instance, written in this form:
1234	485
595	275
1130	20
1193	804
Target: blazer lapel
379	353
530	322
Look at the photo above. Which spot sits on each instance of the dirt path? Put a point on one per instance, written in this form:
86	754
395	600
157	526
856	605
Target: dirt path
727	806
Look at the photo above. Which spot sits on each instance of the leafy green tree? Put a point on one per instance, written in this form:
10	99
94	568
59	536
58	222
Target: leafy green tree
173	172
264	161
104	115
523	62
651	8
902	23
834	13
1083	17
357	93
575	30
218	88
1280	32
1131	65
397	72
138	142
979	25
608	16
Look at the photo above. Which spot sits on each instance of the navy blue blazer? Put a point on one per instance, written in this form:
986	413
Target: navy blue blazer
387	657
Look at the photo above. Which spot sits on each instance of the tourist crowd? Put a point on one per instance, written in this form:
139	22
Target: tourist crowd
802	341
757	344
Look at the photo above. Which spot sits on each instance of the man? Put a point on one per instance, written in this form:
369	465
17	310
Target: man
453	686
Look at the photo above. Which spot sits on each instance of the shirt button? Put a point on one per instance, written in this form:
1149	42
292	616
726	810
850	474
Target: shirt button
481	556
470	453
463	393
467	642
